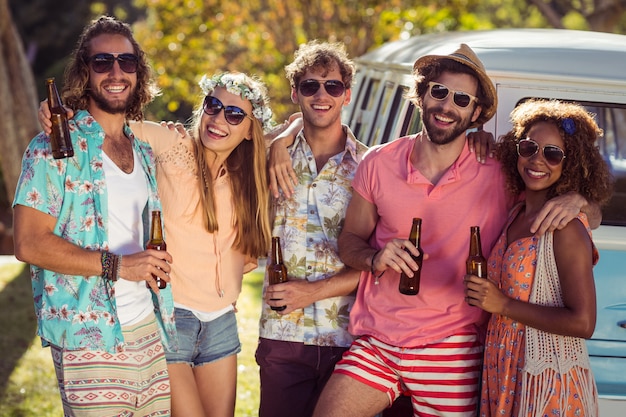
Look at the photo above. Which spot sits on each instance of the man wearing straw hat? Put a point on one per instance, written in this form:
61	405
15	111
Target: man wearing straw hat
426	346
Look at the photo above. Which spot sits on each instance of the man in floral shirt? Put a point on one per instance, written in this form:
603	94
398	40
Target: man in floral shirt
300	345
82	222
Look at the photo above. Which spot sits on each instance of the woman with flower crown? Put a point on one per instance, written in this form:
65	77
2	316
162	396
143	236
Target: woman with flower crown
541	289
215	207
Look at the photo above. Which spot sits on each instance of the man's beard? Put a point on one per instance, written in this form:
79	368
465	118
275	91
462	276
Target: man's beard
441	136
111	107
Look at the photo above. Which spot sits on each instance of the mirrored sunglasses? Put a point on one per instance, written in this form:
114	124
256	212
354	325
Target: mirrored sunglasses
440	92
333	87
552	154
233	114
104	62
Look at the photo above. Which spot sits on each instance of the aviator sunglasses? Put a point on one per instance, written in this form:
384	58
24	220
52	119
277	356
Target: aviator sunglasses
233	114
528	147
104	62
440	92
333	87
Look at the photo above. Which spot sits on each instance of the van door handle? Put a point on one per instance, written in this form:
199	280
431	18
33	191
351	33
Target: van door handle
622	324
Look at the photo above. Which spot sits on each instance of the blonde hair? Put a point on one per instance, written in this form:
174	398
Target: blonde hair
246	167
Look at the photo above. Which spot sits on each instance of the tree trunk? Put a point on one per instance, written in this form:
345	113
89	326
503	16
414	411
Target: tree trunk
18	102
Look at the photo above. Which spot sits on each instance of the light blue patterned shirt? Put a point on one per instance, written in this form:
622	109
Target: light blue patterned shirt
308	225
76	312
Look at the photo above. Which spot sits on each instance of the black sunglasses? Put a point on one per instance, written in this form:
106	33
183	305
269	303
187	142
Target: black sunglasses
233	114
528	147
104	62
333	87
440	92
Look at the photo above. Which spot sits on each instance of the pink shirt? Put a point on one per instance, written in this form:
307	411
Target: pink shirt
468	194
206	271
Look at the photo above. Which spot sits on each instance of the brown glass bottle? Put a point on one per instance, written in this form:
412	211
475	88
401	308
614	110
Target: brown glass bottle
60	140
476	263
411	285
276	269
156	242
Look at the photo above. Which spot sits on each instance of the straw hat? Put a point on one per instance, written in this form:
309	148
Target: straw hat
466	56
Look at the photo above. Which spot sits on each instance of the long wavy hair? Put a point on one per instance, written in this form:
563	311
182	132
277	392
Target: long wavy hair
246	167
76	84
584	169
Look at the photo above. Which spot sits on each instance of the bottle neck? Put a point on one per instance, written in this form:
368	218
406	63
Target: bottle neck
416	231
475	248
156	231
277	255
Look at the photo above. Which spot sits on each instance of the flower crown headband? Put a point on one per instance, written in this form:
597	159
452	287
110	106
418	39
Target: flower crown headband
236	84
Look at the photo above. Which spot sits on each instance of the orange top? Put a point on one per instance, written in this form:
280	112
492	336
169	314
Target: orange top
206	271
513	267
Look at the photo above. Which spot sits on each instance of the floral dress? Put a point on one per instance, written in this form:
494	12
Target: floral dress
513	267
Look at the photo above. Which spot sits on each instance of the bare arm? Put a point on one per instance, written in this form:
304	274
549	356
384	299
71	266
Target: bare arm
559	211
572	250
35	243
301	293
282	175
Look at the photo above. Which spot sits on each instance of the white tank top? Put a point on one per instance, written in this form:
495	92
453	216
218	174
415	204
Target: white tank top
128	196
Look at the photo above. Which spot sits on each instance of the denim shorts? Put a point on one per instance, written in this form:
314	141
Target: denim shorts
202	342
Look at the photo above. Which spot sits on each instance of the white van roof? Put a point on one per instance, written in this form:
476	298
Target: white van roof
546	52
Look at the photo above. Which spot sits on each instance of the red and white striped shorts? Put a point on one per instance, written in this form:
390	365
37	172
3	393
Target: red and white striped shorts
442	378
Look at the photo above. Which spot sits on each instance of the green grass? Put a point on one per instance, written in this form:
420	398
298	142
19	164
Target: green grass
28	385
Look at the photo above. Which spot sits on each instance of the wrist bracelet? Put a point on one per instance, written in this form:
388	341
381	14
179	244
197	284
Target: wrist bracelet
372	263
376	277
109	266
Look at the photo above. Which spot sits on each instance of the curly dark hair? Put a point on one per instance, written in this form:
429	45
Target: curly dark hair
76	83
322	55
434	71
584	170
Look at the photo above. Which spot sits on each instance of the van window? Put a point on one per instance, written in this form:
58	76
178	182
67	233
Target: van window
412	123
612	119
364	115
382	111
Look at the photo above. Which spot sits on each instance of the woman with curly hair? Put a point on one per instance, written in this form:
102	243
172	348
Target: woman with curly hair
541	288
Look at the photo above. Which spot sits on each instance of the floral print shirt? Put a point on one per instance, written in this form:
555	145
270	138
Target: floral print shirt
76	312
308	225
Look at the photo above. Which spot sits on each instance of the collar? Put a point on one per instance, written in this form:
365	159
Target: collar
349	149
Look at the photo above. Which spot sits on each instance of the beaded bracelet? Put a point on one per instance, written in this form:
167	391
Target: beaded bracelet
109	266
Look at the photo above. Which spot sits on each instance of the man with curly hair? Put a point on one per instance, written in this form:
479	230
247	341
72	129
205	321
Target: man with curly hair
300	344
82	222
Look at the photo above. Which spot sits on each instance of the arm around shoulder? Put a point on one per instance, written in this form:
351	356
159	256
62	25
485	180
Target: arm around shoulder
158	136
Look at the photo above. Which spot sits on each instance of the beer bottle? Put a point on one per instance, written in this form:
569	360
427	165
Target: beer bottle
60	140
476	263
156	242
276	270
411	285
